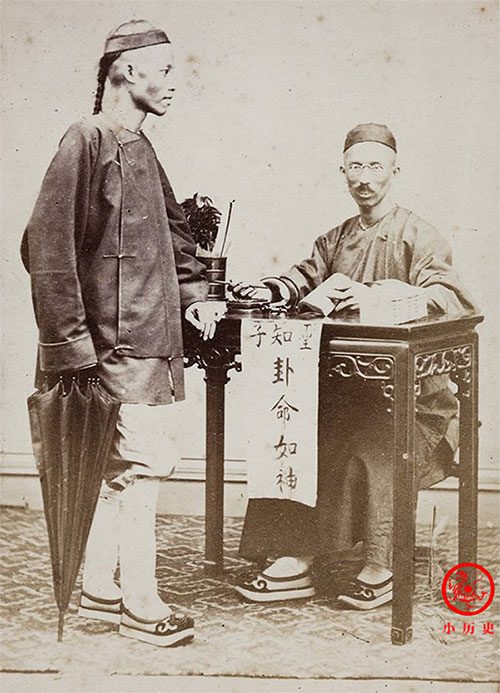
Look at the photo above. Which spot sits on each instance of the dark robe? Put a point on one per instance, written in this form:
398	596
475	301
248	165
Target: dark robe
112	264
355	484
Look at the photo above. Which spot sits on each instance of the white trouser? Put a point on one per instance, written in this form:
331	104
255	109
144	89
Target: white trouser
146	441
123	531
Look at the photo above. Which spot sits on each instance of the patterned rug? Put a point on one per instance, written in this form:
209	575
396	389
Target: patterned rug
312	639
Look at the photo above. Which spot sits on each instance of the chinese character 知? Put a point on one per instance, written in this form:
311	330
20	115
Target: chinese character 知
279	334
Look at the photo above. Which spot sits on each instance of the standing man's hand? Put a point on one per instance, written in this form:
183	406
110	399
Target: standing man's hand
205	315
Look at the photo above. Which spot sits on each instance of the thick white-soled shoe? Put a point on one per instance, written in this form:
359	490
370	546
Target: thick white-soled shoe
176	629
99	609
262	588
363	596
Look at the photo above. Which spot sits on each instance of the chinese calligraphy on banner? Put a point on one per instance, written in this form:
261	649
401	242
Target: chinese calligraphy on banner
280	381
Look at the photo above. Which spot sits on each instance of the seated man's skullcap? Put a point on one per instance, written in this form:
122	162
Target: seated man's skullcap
370	132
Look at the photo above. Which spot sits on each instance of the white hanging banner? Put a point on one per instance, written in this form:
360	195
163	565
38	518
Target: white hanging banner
280	380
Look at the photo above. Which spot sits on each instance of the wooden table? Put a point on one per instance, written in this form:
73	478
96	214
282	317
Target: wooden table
395	359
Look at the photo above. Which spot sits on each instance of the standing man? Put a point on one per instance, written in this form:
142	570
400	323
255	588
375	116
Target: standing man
113	270
383	241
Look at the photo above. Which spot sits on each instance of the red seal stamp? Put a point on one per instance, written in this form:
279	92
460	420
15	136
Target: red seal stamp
468	589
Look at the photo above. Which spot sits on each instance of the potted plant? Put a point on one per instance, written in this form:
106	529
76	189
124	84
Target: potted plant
203	220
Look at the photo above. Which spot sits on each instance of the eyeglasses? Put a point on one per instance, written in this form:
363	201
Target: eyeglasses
355	170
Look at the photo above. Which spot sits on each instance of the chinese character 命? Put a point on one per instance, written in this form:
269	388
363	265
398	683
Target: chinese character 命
283	409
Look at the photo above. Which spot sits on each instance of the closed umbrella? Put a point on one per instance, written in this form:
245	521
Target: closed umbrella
72	430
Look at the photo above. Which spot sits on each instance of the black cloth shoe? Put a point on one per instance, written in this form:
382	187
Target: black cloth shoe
100	609
361	595
176	629
263	588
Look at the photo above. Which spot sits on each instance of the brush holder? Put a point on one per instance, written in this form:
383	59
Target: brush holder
216	272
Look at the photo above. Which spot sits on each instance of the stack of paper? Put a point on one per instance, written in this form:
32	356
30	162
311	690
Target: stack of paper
391	302
387	302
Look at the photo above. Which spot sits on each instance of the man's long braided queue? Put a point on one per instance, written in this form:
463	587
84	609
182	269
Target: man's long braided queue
104	64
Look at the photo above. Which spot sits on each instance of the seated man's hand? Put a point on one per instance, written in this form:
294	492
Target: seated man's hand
256	291
205	315
348	298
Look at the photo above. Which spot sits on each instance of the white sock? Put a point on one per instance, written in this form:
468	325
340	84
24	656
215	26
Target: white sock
288	566
137	550
101	553
374	574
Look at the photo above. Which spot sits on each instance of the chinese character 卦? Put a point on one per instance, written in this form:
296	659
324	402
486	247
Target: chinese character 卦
282	370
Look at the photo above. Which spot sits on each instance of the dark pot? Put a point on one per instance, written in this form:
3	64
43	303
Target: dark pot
216	272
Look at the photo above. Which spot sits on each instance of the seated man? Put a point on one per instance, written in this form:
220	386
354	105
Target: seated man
383	241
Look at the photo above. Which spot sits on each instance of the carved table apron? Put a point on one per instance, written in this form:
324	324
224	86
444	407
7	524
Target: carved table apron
395	358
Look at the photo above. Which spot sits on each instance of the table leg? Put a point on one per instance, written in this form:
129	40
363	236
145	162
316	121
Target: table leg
468	460
403	498
216	379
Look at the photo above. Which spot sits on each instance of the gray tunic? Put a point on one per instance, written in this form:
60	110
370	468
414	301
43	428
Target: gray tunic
400	246
355	491
112	264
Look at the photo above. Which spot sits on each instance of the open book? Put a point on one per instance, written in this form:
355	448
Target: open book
386	302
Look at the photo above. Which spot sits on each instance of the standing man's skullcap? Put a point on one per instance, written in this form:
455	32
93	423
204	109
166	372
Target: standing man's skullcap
123	40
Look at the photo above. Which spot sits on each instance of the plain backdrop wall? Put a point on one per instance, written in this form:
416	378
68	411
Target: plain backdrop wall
265	94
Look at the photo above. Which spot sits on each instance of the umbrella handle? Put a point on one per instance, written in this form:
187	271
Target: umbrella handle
60	626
